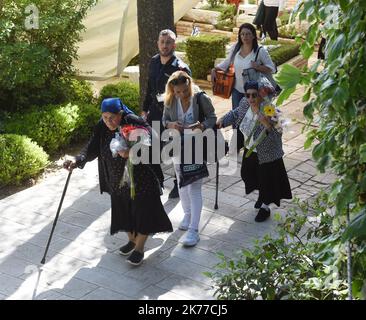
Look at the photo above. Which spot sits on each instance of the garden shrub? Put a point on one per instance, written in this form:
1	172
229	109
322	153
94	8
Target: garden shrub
226	18
20	159
33	62
127	91
284	53
181	46
288	31
88	116
53	126
285	18
335	99
295	264
202	52
79	91
215	3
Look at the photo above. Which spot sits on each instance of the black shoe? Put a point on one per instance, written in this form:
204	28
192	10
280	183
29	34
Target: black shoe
127	248
262	215
174	193
135	258
258	204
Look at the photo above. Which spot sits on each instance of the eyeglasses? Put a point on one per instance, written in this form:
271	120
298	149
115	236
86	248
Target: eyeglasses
253	95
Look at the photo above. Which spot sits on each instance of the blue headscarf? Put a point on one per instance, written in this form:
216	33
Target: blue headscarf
251	85
114	105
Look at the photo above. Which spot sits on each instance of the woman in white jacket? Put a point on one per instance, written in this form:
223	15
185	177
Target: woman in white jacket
243	55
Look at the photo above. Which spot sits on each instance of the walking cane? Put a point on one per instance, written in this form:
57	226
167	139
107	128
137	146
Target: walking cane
57	214
217	184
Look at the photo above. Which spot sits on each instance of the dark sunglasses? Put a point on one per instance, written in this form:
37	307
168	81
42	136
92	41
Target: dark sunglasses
253	95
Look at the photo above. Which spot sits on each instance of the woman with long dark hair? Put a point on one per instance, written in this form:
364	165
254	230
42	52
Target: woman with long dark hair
243	55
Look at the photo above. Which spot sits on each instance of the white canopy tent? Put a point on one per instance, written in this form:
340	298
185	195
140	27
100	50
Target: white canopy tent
111	37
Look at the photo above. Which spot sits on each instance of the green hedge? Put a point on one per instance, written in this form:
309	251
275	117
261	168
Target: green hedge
284	53
127	91
88	116
20	158
226	19
53	126
79	91
202	52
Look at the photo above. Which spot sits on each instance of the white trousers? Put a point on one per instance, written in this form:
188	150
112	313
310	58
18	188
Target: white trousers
191	199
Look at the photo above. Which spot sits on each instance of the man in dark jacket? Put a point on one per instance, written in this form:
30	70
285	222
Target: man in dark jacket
162	65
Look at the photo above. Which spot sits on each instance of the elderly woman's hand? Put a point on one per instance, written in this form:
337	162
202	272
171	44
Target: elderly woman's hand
69	165
264	120
124	153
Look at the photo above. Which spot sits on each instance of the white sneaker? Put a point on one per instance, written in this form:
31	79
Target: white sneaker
191	238
185	223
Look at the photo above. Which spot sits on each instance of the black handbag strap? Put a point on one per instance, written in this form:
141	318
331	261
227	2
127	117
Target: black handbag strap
256	56
201	114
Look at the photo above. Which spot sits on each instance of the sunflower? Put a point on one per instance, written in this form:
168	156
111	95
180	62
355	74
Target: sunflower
269	110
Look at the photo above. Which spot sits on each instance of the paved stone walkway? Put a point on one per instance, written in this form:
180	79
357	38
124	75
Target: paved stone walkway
83	260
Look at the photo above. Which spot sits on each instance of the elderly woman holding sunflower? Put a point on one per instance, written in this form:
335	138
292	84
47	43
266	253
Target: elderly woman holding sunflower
262	167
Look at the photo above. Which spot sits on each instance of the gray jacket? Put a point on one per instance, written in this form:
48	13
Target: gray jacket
170	114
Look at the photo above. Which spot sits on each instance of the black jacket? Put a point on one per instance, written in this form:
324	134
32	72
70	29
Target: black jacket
110	170
158	77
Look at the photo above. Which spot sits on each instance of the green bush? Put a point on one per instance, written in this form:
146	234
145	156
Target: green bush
284	53
127	91
202	52
226	19
79	91
181	46
20	158
33	62
285	17
88	116
215	3
53	126
289	31
294	264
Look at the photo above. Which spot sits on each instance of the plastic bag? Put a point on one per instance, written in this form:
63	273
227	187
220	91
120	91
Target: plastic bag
118	143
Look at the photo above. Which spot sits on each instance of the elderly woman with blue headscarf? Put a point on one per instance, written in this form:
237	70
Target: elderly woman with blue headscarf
262	166
141	215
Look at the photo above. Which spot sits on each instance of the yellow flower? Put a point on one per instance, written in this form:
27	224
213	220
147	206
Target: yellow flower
269	110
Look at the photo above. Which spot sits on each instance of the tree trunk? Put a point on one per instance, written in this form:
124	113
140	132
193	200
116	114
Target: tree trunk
152	17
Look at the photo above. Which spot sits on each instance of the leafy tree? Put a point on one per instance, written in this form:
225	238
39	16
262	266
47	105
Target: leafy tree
336	101
36	62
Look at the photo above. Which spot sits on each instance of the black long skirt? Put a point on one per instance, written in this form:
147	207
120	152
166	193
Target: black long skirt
270	179
145	214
